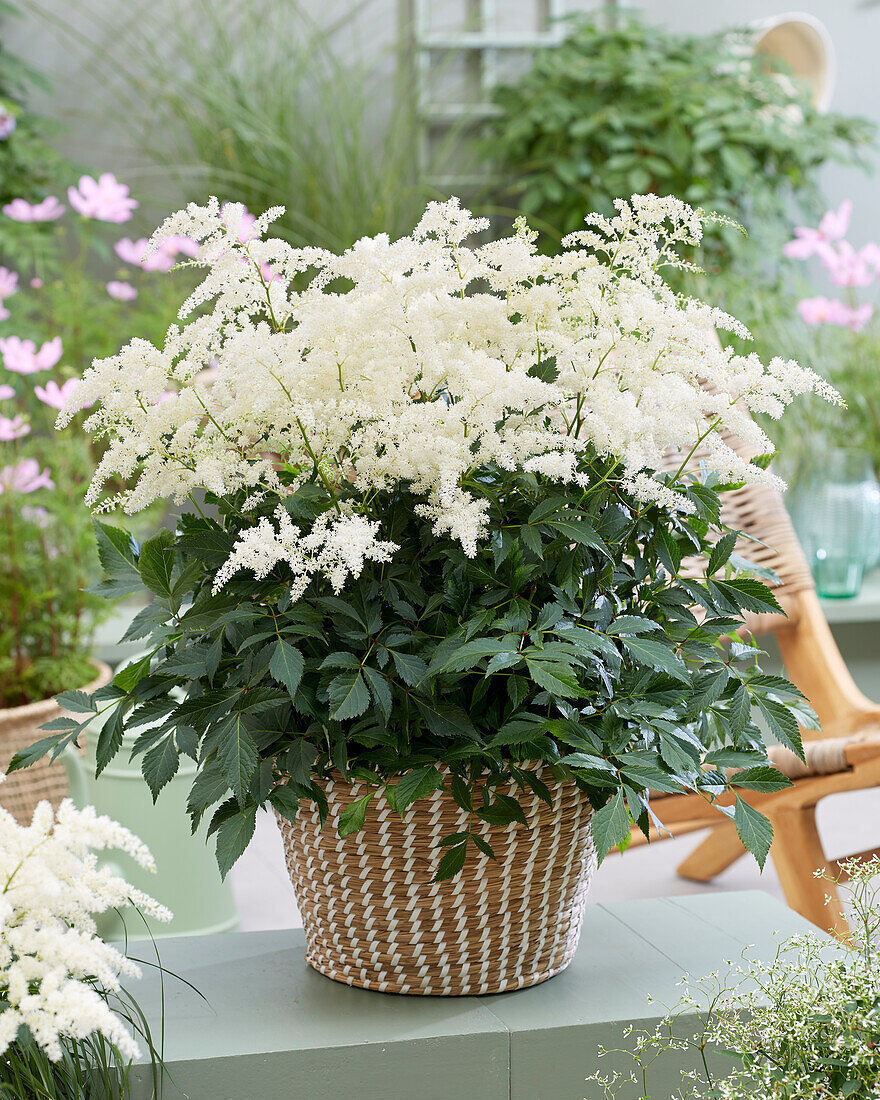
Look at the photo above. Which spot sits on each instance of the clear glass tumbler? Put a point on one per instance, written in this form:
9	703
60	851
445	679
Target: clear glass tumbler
837	517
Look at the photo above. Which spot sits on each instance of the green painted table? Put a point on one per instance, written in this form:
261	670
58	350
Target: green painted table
271	1028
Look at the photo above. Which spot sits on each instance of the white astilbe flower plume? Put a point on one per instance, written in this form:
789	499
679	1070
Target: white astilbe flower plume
439	359
55	972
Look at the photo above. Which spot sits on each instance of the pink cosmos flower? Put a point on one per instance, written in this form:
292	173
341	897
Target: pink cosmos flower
846	267
26	477
820	311
36	283
237	217
129	251
8	282
122	292
22	357
12	429
21	210
54	395
829	311
808	242
7	123
6	393
185	246
37	515
105	198
133	252
859	316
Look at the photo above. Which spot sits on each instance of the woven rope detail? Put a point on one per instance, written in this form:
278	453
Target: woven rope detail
20	728
759	512
373	918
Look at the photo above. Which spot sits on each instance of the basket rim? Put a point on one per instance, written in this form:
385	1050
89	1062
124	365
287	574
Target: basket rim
336	777
43	707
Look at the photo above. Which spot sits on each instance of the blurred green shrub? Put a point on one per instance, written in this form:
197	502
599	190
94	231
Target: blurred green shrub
635	108
28	163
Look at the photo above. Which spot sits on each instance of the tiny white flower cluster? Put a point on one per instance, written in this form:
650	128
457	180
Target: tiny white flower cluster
439	359
56	974
337	546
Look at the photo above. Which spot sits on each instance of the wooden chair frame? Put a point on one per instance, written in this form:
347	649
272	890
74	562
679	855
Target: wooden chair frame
814	664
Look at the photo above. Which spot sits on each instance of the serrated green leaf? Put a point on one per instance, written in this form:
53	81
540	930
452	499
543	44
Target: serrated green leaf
156	562
109	739
285	801
379	689
209	786
348	696
646	651
25	757
117	552
446	719
233	836
579	531
558	679
721	551
286	665
763	778
468	655
631	624
610	825
503	810
299	760
745	593
755	831
160	763
680	757
739	712
237	754
783	725
410	668
353	817
77	701
451	863
414	784
126	678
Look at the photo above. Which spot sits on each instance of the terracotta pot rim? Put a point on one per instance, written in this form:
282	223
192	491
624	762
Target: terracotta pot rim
44	707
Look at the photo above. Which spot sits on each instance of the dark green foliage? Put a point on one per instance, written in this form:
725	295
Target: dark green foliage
568	641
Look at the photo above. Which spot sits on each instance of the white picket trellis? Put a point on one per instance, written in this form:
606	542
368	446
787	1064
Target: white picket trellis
461	50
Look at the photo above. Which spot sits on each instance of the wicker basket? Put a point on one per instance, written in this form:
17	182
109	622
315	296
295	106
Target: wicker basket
19	728
373	918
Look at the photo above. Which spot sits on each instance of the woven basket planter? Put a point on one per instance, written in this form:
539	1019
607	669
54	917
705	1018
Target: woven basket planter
19	728
373	918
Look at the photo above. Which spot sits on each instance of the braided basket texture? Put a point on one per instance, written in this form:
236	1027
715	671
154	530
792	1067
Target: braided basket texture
20	728
373	917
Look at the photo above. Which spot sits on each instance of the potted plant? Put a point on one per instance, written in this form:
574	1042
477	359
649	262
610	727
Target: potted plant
425	597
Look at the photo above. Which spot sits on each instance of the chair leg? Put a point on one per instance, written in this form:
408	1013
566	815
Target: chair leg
715	854
797	852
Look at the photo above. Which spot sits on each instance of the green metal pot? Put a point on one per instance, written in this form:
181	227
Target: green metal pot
187	879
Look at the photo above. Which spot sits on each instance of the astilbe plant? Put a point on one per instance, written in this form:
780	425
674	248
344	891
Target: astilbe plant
428	540
67	1025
